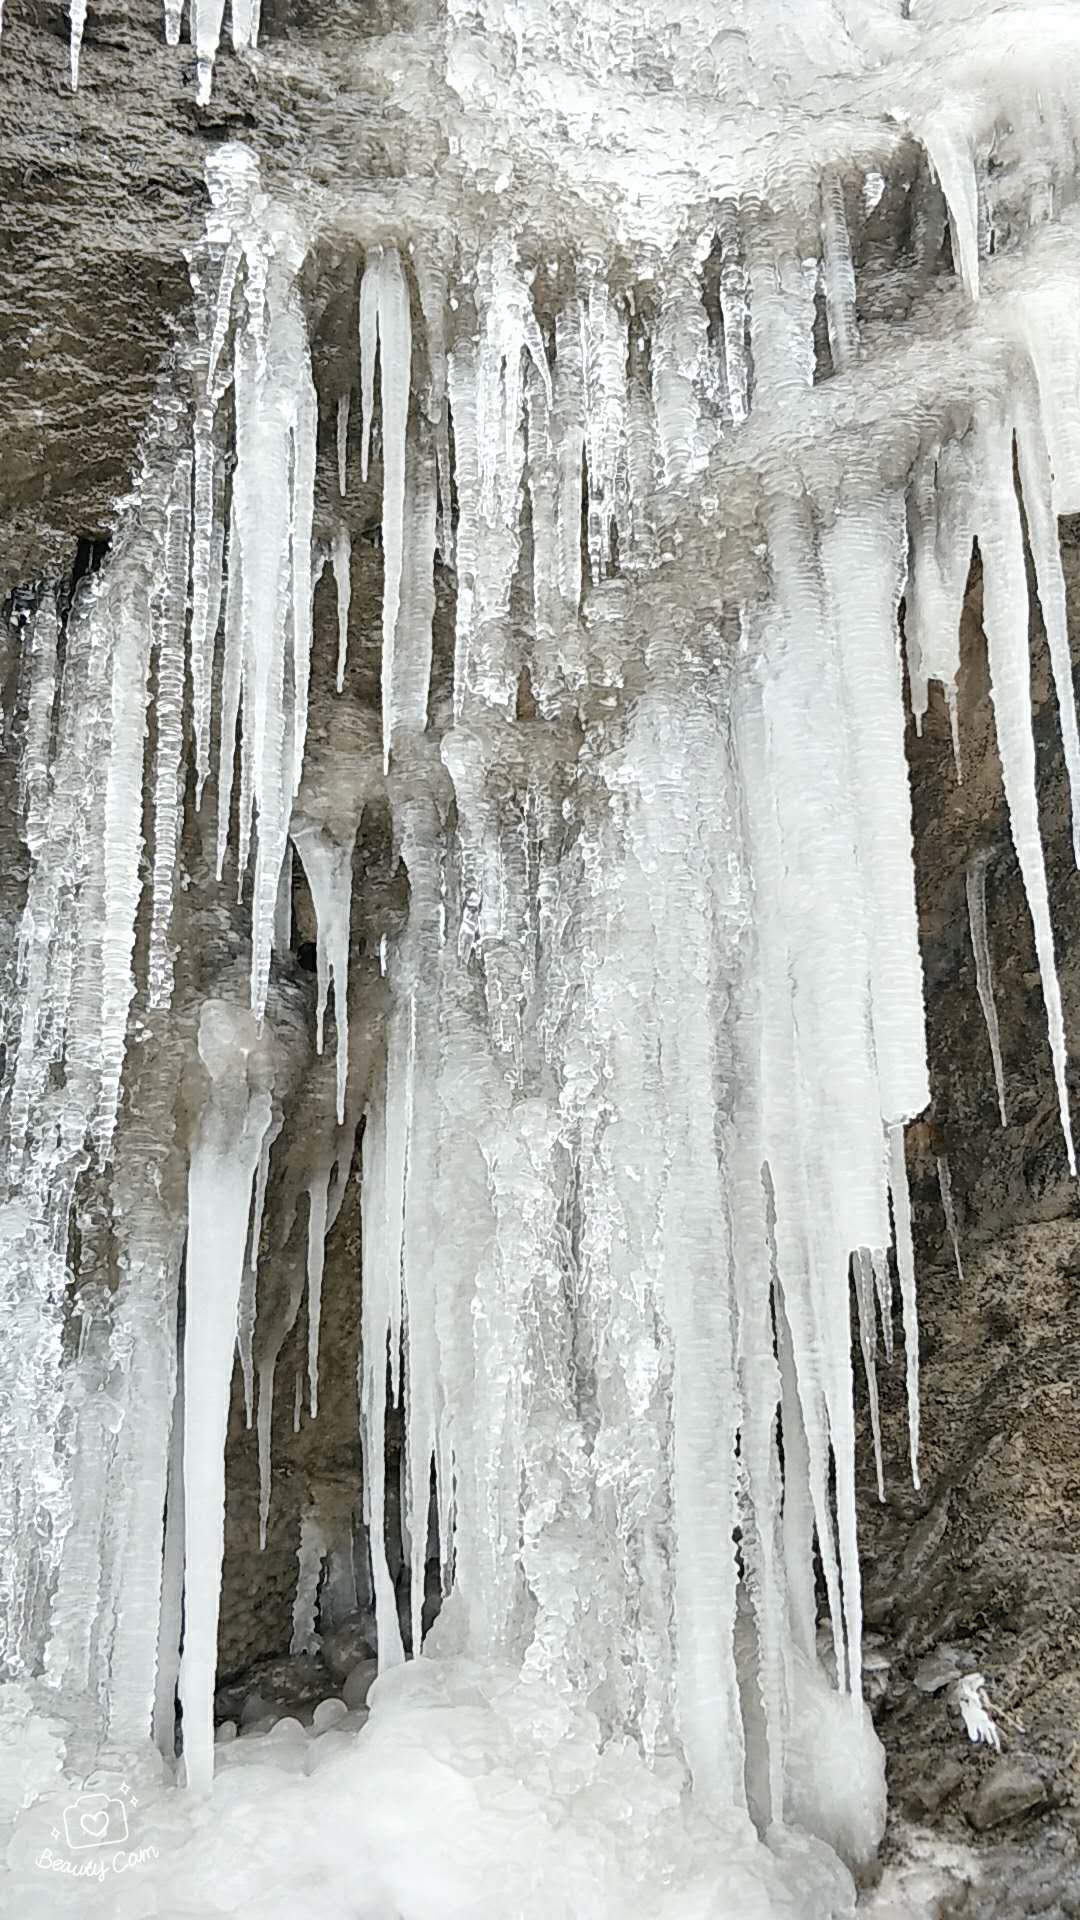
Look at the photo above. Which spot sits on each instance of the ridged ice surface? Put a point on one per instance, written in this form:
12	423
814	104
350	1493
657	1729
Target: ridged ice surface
755	322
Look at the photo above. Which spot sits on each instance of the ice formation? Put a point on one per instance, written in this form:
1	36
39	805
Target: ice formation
659	448
975	881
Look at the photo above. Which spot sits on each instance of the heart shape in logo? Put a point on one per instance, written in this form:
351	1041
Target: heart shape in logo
95	1824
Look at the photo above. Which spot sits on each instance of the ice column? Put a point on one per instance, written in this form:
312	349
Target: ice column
224	1159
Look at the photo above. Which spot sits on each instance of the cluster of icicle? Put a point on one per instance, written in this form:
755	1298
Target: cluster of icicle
656	1013
206	17
84	771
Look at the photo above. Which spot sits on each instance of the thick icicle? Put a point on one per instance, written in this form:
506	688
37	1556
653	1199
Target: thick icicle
411	673
385	320
940	532
1005	619
268	612
952	155
245	24
224	1159
77	10
206	18
866	542
975	881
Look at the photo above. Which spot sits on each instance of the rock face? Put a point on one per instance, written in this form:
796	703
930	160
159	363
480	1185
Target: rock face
979	1570
102	192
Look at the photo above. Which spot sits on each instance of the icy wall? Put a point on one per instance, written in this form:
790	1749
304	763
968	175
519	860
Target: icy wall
711	340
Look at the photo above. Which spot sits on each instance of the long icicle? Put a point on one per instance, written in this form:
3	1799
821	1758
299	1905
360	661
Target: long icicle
975	886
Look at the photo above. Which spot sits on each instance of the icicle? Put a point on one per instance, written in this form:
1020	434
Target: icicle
905	1265
264	1425
174	13
431	275
342	557
385	321
569	420
224	1160
948	1208
487	390
1005	620
232	671
207	532
984	975
283	905
805	1412
143	1361
462	377
343	442
77	10
206	18
882	1272
123	846
269	559
205	606
245	24
170	1622
679	349
327	862
866	543
1042	527
376	1306
395	357
34	764
304	439
309	1565
735	314
412	651
839	275
941	532
951	153
245	1338
864	1299
169	717
369	338
782	288
1046	321
317	1202
605	424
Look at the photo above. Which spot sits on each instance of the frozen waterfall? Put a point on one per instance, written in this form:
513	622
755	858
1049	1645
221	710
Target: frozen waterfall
678	457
